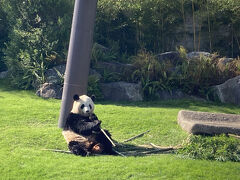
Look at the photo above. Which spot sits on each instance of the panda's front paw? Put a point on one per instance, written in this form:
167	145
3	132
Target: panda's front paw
97	128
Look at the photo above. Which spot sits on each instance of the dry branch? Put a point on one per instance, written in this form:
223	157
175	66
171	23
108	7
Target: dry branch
57	150
162	148
235	136
108	138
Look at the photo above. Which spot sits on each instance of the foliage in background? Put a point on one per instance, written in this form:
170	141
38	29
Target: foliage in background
160	25
36	33
194	76
3	36
219	148
197	76
37	38
94	87
152	74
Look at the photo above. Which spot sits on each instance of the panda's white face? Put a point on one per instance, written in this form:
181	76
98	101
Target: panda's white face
83	106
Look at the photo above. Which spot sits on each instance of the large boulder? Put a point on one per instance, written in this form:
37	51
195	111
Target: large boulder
95	74
229	92
172	56
99	47
223	62
3	74
209	123
50	90
114	67
198	54
121	91
56	74
174	94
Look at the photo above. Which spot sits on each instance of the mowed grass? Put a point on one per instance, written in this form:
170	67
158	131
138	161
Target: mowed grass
28	124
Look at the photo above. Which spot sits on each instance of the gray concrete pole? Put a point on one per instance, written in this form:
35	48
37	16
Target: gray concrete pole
78	61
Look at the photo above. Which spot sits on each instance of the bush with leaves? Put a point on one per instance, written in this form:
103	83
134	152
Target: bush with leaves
94	87
194	76
37	38
152	74
219	148
197	75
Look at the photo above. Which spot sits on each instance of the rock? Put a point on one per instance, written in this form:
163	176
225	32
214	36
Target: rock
222	63
114	67
173	56
229	92
174	94
99	47
95	74
50	90
56	74
193	55
3	74
121	91
209	123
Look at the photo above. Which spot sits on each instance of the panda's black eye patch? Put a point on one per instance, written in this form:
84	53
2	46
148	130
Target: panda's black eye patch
82	106
90	106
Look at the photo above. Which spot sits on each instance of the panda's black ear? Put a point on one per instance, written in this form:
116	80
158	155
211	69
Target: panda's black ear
76	97
93	98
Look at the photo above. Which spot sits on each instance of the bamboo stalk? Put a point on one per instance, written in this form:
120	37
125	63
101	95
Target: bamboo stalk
235	136
161	148
209	29
194	26
137	136
57	150
114	145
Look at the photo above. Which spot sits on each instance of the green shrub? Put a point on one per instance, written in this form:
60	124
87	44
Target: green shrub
197	76
101	53
38	33
219	148
193	76
152	74
94	88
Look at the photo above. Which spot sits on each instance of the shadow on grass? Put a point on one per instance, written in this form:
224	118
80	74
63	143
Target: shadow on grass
187	104
144	150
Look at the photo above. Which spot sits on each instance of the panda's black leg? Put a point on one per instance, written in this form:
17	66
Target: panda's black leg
77	149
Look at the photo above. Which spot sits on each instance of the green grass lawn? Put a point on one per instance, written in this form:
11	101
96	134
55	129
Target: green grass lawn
28	124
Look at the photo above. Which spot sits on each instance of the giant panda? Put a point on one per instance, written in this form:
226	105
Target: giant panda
83	129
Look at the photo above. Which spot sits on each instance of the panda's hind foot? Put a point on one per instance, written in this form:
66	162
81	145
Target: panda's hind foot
76	149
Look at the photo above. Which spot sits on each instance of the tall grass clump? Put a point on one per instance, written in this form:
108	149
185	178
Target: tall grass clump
153	75
219	148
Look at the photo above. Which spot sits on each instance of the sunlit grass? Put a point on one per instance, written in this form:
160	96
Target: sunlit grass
28	124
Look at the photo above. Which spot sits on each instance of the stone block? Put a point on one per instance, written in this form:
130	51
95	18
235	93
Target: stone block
209	123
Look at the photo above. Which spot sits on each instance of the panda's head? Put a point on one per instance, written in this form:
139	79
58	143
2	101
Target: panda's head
83	105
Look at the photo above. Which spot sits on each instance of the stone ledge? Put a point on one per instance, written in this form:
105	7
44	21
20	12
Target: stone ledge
209	123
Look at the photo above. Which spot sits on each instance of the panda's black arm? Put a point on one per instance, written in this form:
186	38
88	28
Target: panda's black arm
85	127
